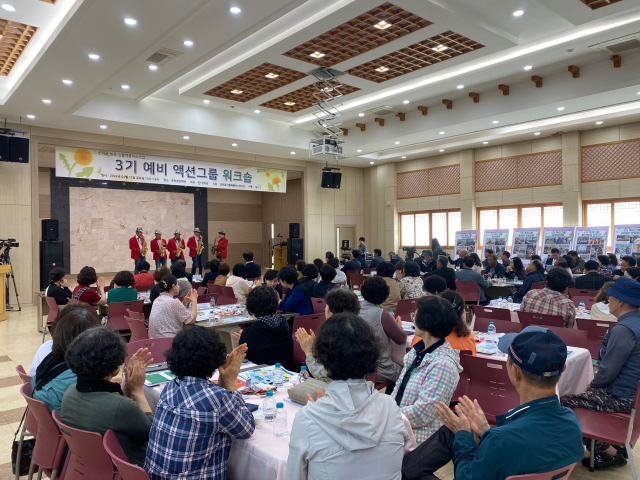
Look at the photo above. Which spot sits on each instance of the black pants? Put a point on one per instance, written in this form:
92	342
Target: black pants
432	454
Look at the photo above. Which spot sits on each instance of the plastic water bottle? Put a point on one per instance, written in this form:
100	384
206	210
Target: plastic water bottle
278	376
269	407
212	301
499	302
581	310
491	334
510	302
280	422
304	374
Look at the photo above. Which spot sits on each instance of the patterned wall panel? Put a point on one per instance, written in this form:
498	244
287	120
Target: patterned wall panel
540	169
611	161
444	181
496	174
413	184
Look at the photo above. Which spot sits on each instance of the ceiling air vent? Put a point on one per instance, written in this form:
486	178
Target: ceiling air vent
163	56
618	45
383	111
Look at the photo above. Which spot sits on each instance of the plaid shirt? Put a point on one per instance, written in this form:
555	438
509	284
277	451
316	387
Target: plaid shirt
591	281
192	430
550	302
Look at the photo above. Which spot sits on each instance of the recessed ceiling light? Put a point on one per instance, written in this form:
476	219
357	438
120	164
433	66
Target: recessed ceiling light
371	163
358	151
528	67
125	87
403	157
496	121
188	43
441	133
94	56
235	10
537	133
405	102
31	117
103	127
381	69
67	82
130	21
186	137
397	143
599	122
518	13
206	101
289	104
9	8
153	67
442	149
485	143
316	55
236	91
46	100
234	144
272	75
460	87
256	111
382	25
293	153
439	48
361	114
560	109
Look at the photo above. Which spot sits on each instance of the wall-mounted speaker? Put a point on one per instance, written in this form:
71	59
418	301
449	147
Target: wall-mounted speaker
4	148
331	179
19	149
49	230
294	230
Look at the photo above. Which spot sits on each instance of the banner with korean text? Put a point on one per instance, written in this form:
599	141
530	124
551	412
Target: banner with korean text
496	240
467	240
106	165
560	238
591	241
626	240
525	242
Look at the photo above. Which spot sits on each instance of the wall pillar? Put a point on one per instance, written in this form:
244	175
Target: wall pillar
571	181
467	190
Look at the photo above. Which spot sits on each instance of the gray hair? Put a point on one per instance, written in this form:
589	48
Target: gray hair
493	256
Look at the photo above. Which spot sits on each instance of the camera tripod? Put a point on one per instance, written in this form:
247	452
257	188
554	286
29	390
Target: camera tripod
7	259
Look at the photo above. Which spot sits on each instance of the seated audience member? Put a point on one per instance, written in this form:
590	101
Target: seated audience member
625	262
552	299
393	258
52	376
386	329
385	271
485	262
223	274
238	283
426	262
506	255
253	270
555	255
144	278
493	268
569	260
339	300
613	261
577	264
377	258
178	271
536	437
457	263
467	274
434	285
268	339
328	256
477	264
534	275
443	270
536	257
633	273
327	274
188	275
600	308
160	272
98	404
197	419
340	277
399	273
299	266
168	314
516	270
318	263
614	387
411	283
57	288
309	277
296	300
460	337
362	260
210	276
365	437
83	292
271	280
431	370
562	263
592	279
603	261
122	290
353	264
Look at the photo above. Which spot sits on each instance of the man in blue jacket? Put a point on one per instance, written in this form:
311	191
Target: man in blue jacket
534	274
538	436
467	274
614	387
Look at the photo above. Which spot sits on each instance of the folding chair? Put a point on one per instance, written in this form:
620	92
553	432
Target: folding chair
571	336
318	305
502	326
537	285
461	389
126	470
356	279
309	323
620	429
139	330
143	288
202	291
469	291
157	347
530	318
596	329
213	288
117	313
51	317
206	298
226	300
405	308
582	292
560	474
492	313
30	425
367	271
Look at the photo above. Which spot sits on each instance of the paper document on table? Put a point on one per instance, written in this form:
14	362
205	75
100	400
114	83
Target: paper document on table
407	326
263	375
156	378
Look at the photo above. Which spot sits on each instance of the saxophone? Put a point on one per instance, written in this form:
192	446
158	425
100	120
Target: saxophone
179	245
145	248
163	250
200	247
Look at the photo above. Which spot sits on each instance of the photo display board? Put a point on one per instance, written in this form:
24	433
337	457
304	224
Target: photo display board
466	239
626	240
496	240
591	241
560	238
526	242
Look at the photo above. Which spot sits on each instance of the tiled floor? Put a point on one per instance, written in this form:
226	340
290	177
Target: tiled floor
19	341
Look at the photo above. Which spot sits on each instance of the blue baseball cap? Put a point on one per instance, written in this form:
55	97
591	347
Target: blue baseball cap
626	290
534	349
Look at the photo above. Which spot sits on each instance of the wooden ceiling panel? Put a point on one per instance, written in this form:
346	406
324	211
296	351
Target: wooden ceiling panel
595	4
13	41
304	98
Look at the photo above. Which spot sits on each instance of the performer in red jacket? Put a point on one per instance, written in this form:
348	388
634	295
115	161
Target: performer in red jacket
136	245
221	246
196	242
159	254
174	244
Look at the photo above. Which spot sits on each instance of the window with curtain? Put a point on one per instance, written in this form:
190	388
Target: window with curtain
417	229
610	213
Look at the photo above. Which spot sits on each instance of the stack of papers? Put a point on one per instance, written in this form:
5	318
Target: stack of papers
156	378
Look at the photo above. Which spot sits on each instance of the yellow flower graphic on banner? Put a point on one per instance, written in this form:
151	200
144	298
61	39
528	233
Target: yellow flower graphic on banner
82	157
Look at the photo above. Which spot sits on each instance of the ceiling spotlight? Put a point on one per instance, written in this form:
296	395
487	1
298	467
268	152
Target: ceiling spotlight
186	137
439	48
518	13
496	121
67	82
272	75
289	104
599	122
528	67
405	102
293	153
381	69
94	56
397	143
125	87
560	109
103	127
382	25
442	149
460	87
234	144
361	114
256	111
46	100
130	21
188	43
31	117
235	10
9	8
153	67
236	91
403	157
358	151
537	133
317	55
371	163
206	101
441	133
485	143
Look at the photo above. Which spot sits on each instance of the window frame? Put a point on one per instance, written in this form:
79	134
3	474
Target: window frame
430	212
611	202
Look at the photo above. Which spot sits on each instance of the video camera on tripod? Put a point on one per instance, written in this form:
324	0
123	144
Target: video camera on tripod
411	252
5	258
9	243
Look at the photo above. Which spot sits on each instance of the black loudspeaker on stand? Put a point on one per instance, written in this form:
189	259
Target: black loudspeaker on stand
294	250
49	230
294	230
50	257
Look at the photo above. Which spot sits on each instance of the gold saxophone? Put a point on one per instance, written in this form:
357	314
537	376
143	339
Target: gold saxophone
200	247
163	250
179	245
145	248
